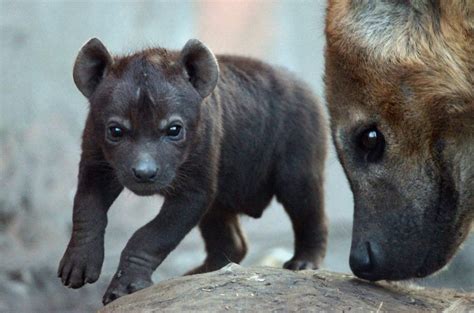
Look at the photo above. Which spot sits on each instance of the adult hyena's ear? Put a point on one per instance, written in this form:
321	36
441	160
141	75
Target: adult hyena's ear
91	64
201	66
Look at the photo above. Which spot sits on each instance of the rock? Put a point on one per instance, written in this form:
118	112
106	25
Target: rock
265	289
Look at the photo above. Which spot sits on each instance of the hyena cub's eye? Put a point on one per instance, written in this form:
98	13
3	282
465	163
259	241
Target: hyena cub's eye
174	131
372	144
115	133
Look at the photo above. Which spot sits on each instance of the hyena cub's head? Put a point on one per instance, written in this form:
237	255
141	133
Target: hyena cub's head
146	108
399	83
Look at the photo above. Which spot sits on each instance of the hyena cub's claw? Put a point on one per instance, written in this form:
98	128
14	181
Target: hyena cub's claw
125	284
298	265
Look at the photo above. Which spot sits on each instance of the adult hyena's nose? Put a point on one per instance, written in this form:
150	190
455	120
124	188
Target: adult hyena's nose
145	171
362	261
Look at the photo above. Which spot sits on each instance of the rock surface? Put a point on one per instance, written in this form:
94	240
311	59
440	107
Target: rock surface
264	289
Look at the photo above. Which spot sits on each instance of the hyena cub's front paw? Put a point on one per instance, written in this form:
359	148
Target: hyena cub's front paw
81	265
125	283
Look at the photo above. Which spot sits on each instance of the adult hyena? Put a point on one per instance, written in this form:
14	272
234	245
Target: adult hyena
399	84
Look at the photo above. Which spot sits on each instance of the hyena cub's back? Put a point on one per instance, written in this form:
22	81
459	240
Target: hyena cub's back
284	131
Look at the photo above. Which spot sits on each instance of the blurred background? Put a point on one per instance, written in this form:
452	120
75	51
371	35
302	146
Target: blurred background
42	115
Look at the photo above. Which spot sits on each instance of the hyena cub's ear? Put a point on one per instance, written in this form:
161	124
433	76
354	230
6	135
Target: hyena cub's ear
91	63
201	66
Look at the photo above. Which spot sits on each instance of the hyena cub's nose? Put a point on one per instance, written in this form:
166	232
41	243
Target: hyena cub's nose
145	171
362	261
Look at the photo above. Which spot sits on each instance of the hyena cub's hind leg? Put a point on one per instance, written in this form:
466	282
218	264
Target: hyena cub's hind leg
224	241
301	194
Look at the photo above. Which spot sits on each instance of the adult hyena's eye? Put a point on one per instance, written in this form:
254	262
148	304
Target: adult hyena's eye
370	139
371	143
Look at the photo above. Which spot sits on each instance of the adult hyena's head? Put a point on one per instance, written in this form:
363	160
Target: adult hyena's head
399	84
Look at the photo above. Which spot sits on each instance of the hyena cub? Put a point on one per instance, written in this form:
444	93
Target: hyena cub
216	136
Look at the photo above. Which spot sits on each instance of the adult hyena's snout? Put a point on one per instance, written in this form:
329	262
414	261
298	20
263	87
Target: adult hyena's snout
370	260
391	243
363	260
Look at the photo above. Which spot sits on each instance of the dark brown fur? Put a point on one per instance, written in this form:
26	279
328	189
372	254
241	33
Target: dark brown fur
406	70
249	132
